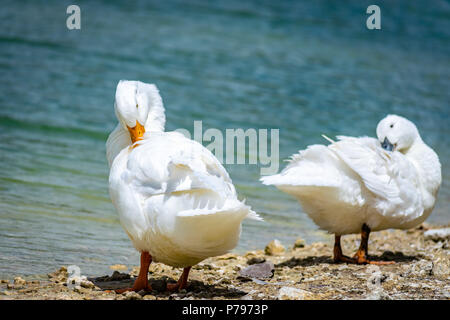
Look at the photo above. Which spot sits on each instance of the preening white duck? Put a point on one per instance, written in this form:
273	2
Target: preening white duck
175	200
364	184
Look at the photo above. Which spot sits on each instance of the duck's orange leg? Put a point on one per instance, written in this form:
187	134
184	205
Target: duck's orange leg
141	282
360	256
182	282
338	256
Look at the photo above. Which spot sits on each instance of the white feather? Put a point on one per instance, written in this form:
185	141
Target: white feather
354	181
174	198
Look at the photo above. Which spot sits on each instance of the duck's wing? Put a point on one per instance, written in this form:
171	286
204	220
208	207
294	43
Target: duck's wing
356	171
391	178
169	164
316	166
117	140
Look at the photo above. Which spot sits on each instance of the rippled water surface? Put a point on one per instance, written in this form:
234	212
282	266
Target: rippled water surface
305	67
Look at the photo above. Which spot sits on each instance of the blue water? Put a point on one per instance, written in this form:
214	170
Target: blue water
304	67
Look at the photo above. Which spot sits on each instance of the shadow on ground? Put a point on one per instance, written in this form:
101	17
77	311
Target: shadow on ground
397	257
195	288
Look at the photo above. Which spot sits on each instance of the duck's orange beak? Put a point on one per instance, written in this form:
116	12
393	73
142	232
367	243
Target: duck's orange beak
137	132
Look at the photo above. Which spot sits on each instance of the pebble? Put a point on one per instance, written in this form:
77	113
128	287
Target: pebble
228	256
441	266
119	267
206	266
131	295
82	281
87	284
116	276
256	260
437	234
291	293
249	296
299	243
258	271
19	281
142	293
274	248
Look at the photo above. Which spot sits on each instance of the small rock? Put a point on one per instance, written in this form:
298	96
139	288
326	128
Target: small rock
291	293
441	266
256	260
119	267
237	268
343	267
206	266
378	295
142	293
249	254
119	276
59	276
437	234
258	271
87	284
228	256
19	281
299	243
420	268
78	289
274	248
249	296
116	276
131	295
260	282
222	281
4	281
80	281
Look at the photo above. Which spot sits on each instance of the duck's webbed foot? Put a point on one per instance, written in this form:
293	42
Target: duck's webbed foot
361	255
141	282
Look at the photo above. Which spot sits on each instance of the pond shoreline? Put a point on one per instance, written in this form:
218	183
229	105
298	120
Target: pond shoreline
303	271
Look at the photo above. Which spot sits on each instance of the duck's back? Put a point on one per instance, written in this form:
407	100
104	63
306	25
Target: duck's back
176	200
351	182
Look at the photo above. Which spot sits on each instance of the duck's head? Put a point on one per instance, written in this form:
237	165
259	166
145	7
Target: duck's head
139	108
397	133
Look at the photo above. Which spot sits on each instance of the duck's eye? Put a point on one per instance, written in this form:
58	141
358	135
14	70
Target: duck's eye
138	107
392	125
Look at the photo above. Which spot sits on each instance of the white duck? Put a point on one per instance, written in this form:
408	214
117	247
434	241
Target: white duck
363	184
175	200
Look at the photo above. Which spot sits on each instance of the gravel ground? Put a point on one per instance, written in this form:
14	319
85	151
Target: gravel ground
304	271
